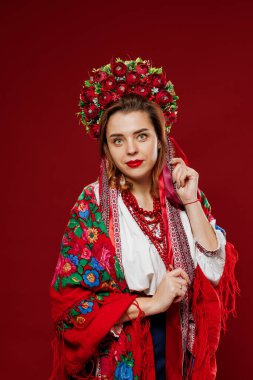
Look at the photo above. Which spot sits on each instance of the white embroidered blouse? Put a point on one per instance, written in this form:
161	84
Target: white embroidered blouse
143	266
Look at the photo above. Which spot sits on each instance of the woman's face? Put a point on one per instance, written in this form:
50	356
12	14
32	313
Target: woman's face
133	144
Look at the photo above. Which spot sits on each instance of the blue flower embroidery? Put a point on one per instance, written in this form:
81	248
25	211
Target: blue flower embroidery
95	264
74	259
84	214
91	277
124	372
86	307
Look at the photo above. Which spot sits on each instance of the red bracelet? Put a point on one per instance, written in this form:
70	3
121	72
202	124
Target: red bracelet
198	200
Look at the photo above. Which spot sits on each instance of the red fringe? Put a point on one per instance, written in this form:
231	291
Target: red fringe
211	308
144	356
228	286
201	367
57	344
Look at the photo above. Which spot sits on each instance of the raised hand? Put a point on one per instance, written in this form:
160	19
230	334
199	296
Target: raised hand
186	180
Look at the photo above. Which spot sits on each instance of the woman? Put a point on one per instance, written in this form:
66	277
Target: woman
144	277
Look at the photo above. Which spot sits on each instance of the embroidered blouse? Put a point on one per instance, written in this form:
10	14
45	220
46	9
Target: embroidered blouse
143	266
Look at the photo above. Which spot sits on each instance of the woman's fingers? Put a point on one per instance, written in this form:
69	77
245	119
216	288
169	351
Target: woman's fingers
180	174
179	272
181	281
180	295
176	160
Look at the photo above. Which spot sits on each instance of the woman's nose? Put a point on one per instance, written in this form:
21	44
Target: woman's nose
131	147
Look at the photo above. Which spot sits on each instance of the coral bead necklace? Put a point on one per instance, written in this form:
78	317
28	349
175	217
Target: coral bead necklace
150	222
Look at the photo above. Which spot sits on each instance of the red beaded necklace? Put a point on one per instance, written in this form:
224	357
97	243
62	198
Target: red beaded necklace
151	222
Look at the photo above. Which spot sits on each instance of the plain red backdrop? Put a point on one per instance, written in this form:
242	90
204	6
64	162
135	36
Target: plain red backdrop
47	50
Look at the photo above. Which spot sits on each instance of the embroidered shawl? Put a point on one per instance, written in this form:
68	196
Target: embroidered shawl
89	294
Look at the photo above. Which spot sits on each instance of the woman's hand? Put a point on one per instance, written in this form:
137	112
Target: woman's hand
171	289
186	180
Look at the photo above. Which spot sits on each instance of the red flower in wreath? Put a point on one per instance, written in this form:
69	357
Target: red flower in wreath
122	88
88	94
119	69
91	111
99	76
109	83
141	68
170	117
163	97
95	130
142	90
132	78
157	80
105	97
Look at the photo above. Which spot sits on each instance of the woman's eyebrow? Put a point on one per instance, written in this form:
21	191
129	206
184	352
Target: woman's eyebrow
120	134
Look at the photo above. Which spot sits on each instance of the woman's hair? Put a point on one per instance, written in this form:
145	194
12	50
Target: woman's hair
129	103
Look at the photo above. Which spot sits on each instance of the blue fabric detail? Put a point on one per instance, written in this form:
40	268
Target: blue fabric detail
158	332
221	229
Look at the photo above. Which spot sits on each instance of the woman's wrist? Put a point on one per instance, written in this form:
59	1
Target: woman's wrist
144	304
191	200
193	208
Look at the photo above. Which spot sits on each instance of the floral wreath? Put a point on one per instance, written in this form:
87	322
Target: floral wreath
118	78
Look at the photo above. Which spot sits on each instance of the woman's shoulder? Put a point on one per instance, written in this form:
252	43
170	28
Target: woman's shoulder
88	193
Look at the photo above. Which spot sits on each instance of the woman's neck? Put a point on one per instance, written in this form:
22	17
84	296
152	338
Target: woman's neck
141	191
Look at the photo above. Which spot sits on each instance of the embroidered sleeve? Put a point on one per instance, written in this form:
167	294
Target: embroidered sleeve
212	262
220	237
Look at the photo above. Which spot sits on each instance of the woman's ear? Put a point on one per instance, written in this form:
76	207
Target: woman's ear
159	144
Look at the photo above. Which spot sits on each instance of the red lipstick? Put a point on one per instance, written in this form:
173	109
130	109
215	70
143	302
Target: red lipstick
135	163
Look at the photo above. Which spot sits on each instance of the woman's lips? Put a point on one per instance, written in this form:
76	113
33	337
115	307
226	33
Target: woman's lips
134	164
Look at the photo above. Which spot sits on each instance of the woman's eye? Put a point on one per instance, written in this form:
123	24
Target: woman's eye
142	136
117	141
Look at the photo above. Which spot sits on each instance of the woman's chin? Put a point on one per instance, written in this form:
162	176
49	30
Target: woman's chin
138	177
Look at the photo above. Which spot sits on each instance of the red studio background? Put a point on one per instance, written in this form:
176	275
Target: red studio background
47	50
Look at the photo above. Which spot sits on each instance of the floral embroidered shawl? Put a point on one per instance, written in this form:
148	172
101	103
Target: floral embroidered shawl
89	294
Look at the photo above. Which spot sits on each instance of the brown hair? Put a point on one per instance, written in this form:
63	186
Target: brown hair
129	103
